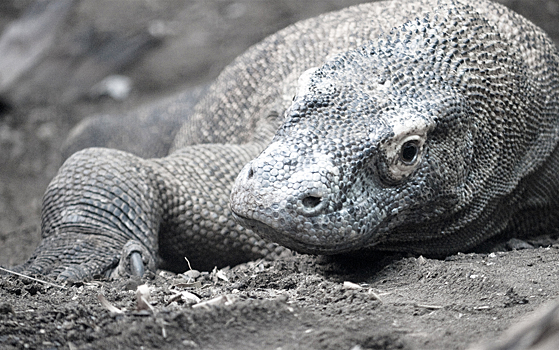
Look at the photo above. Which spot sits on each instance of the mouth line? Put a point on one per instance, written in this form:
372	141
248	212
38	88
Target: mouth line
285	239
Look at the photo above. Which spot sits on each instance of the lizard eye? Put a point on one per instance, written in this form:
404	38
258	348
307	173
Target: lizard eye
401	151
403	155
409	152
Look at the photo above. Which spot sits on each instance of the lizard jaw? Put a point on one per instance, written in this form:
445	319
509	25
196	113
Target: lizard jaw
302	243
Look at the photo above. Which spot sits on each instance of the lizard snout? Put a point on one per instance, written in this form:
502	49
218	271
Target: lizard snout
287	199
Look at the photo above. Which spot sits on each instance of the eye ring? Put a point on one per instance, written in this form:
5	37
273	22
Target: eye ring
409	152
402	157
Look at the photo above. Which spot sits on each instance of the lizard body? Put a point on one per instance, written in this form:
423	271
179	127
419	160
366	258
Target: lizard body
423	126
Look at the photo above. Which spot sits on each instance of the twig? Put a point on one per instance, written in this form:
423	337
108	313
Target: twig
107	305
430	307
188	262
31	278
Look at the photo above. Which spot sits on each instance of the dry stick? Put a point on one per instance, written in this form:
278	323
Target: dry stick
188	262
31	278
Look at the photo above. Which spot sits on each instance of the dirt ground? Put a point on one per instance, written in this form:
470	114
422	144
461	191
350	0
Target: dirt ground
298	302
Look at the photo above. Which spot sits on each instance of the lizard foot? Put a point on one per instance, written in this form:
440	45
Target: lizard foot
73	257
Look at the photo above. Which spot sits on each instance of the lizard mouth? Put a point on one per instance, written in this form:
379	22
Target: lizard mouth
301	242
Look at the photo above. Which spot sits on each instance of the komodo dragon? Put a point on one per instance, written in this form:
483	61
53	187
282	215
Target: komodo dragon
423	126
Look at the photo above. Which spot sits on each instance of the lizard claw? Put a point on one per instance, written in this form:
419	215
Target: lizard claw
136	264
135	259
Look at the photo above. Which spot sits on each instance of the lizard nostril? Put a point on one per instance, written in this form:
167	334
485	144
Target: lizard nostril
250	173
311	201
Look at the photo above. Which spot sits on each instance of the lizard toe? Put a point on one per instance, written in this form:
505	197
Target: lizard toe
134	260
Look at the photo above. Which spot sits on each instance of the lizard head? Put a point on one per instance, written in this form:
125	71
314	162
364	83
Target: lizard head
352	165
376	150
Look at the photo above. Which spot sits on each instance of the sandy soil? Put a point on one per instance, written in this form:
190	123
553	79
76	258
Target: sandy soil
298	302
